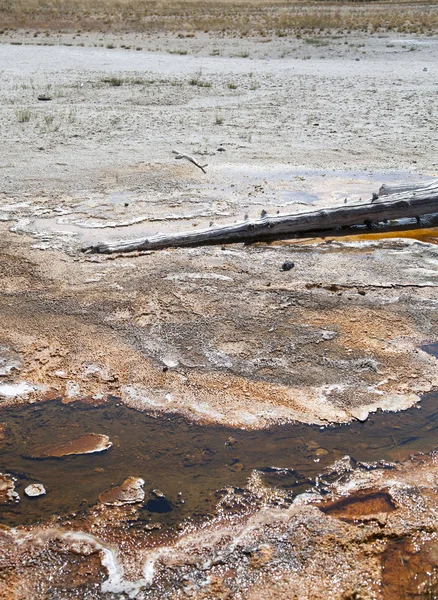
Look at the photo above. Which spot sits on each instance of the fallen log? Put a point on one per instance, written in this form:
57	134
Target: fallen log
396	206
387	188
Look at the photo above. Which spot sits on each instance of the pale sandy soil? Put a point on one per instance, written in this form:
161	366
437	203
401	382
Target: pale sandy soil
282	124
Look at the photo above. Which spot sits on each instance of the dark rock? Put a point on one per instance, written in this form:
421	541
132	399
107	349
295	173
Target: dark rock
287	266
44	97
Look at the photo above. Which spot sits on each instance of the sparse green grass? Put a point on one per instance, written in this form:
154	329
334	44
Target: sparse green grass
182	52
218	120
232	86
113	81
49	124
317	41
199	82
137	81
72	116
118	81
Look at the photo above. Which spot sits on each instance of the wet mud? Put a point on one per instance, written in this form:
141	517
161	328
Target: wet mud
357	506
410	572
431	349
189	464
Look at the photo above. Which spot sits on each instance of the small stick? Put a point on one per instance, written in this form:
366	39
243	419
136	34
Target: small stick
191	159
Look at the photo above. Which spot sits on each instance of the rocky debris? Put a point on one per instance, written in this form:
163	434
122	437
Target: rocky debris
9	361
130	492
7	489
35	489
99	373
287	266
85	444
40	555
260	555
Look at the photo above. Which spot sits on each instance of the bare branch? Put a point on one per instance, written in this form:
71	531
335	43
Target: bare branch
179	155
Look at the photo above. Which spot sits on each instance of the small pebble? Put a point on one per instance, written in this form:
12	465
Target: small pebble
231	441
35	489
287	266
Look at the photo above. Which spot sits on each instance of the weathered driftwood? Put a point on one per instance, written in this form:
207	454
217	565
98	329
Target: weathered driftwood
180	155
404	204
387	189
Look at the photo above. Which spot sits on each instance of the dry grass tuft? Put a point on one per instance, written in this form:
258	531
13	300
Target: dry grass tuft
245	17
